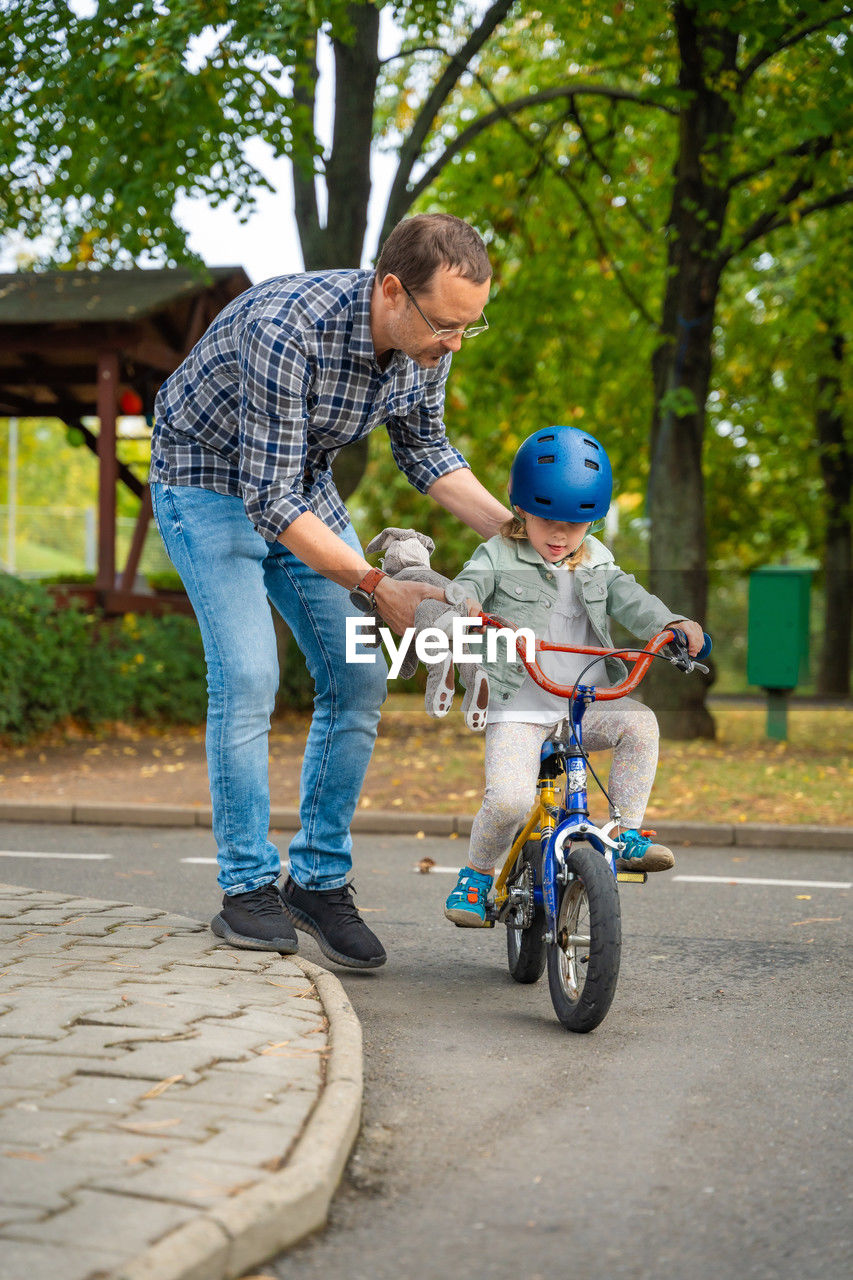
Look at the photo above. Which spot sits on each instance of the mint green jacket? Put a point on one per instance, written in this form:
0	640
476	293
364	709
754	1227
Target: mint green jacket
507	577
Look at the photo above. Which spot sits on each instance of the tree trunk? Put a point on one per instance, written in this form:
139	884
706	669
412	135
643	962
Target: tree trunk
340	242
681	365
836	462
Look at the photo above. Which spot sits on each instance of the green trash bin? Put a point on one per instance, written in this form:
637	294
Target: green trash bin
778	637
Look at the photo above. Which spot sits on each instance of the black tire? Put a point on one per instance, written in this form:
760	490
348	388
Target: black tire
525	948
582	977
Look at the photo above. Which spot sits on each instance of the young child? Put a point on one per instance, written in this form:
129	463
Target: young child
545	571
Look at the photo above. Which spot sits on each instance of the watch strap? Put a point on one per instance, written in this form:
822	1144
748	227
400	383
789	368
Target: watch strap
371	581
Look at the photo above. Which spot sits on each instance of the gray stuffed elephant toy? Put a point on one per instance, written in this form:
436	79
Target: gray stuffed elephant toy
406	558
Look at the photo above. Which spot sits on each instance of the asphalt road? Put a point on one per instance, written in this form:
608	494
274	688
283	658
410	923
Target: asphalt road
702	1131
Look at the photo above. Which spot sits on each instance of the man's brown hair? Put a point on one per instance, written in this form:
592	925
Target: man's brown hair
419	245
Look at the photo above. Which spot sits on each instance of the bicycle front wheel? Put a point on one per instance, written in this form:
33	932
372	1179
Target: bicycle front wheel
583	961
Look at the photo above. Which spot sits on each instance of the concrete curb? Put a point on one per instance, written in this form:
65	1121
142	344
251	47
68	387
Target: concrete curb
753	835
288	1205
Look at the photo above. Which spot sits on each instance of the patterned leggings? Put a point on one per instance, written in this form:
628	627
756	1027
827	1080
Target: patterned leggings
512	769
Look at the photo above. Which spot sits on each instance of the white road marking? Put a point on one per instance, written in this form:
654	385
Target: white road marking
201	862
437	871
793	884
86	857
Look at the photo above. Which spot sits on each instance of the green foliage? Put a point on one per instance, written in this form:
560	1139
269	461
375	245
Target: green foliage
61	663
110	117
144	668
777	316
678	401
42	652
575	197
166	580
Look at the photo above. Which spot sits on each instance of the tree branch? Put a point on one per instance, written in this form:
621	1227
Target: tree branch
304	192
811	146
802	183
603	168
411	51
411	149
778	220
767	51
508	109
633	298
543	160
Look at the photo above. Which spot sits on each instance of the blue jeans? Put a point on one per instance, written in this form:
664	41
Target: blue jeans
229	572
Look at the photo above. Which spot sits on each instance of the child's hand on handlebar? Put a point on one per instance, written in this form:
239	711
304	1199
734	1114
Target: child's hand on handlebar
695	634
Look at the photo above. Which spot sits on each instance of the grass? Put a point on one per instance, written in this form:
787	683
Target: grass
435	766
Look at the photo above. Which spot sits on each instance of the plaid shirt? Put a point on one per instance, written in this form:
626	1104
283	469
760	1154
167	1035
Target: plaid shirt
282	380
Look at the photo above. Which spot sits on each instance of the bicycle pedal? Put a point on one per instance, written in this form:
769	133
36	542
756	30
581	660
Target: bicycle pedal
632	877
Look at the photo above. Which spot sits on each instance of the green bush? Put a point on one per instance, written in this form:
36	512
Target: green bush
144	668
57	664
164	580
61	663
41	650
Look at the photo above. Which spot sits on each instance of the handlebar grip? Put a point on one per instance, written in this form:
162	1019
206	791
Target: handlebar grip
682	640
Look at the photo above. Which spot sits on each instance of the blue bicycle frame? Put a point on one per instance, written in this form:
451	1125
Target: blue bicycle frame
573	818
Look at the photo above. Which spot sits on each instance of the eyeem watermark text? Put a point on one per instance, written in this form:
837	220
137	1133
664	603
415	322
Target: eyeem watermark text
433	645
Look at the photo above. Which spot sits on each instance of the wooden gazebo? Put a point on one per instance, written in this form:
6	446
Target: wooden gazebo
77	344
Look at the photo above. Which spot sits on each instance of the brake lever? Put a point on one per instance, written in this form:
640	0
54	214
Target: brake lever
681	658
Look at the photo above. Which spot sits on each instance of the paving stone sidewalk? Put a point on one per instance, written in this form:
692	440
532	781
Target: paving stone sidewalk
169	1107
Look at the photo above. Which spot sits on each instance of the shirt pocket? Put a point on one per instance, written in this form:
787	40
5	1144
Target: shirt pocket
517	596
595	596
401	404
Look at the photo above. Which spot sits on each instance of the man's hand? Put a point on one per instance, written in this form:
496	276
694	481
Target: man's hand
397	601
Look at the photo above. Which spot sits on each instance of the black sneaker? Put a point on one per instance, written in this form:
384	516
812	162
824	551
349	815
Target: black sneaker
331	916
256	920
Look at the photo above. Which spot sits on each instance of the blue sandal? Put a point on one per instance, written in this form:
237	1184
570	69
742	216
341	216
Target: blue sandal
466	905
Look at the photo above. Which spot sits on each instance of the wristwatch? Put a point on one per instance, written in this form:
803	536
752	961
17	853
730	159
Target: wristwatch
362	596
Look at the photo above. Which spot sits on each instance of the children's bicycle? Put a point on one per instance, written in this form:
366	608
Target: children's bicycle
557	890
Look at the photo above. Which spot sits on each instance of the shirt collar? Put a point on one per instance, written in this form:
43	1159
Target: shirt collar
361	342
526	551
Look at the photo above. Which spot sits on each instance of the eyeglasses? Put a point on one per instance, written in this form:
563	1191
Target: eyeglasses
466	330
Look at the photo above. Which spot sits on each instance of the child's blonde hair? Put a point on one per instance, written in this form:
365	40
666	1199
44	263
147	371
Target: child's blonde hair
516	529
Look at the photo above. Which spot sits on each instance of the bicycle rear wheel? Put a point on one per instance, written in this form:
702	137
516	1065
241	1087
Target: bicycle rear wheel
583	962
525	945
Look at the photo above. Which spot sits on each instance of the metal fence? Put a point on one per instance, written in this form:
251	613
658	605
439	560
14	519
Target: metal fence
46	542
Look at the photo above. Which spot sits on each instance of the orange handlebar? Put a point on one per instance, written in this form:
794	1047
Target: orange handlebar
642	660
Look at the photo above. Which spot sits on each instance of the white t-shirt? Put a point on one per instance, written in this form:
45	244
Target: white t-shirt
568	624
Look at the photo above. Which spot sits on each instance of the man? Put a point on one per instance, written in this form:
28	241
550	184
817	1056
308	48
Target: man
245	433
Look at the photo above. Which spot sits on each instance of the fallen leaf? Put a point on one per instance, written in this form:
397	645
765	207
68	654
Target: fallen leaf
425	865
144	1126
146	1157
162	1086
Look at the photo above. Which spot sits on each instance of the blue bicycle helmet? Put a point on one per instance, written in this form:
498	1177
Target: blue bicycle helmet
561	473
